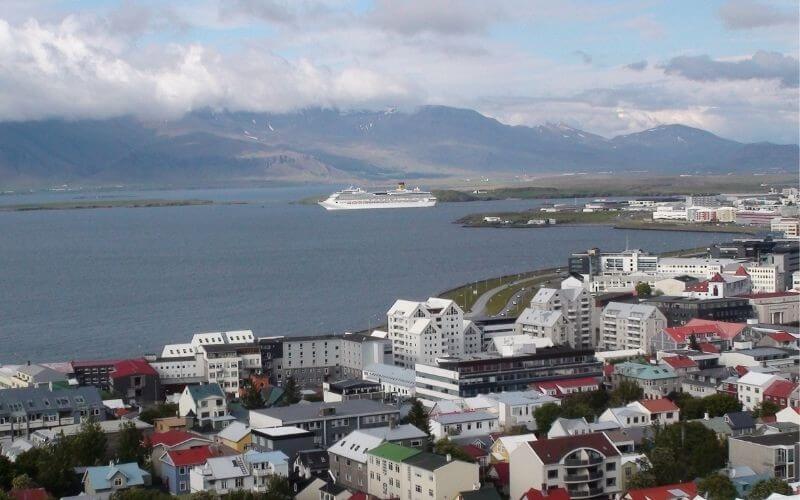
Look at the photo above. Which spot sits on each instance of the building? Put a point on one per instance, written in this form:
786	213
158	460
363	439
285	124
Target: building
660	411
655	380
221	475
329	422
780	339
586	465
423	331
766	277
543	324
163	442
669	212
789	226
721	285
677	491
264	465
25	410
345	390
396	470
206	404
107	479
95	372
565	387
775	455
783	393
720	334
135	380
695	266
778	308
736	423
680	310
504	445
630	326
348	456
751	387
785	253
464	424
574	304
576	426
235	436
176	464
287	439
767	357
466	376
30	375
393	379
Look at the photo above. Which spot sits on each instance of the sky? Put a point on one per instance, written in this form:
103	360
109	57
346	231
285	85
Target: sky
728	66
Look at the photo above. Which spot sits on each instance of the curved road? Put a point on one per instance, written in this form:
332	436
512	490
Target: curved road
479	307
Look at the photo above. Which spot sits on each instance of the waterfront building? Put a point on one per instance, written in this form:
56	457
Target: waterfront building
695	266
423	331
470	375
670	212
93	372
587	465
135	380
630	326
30	375
788	226
25	410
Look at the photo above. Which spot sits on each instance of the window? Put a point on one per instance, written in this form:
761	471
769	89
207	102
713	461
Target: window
611	466
418	488
239	482
552	474
117	481
182	486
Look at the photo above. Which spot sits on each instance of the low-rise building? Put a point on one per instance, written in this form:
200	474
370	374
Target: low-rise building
394	380
221	476
235	436
661	411
766	357
719	333
206	404
25	410
783	393
778	308
176	464
463	424
135	380
681	310
163	442
751	387
107	479
587	465
655	380
566	387
345	390
773	454
30	375
287	439
264	465
678	491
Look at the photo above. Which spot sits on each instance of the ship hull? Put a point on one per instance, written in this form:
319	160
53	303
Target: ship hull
344	205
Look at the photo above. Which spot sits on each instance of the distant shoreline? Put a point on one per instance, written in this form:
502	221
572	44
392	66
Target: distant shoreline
95	204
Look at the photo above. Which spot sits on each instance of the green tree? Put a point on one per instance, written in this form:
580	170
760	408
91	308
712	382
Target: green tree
278	488
576	408
717	487
719	404
545	415
684	451
6	473
766	409
291	393
598	400
767	487
203	495
418	417
693	343
131	446
90	444
140	494
4	495
446	447
642	479
626	392
643	289
252	398
158	411
22	482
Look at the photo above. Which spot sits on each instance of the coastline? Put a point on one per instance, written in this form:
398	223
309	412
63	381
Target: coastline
96	204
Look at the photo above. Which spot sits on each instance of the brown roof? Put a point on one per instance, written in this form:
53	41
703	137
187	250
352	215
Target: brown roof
551	451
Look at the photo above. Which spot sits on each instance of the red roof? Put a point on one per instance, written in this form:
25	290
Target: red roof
666	492
717	278
29	494
659	405
474	451
192	456
172	438
128	367
552	494
768	295
551	451
702	328
557	385
741	370
782	337
741	271
359	495
679	362
780	389
608	370
501	473
708	348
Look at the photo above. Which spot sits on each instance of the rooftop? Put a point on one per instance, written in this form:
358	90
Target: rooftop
778	439
551	451
666	492
393	452
316	410
426	461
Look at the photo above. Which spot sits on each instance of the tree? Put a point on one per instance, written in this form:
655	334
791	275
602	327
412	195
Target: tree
693	343
446	447
140	494
158	411
22	482
643	289
766	409
545	415
717	487
252	398
90	444
767	487
626	392
6	473
418	417
684	451
131	445
642	479
291	393
719	404
278	488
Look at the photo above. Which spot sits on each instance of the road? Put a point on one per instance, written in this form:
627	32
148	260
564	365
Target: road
479	308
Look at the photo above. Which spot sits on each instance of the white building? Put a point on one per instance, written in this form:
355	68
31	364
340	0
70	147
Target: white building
575	304
766	278
423	331
221	475
669	212
207	404
543	325
693	266
393	379
789	226
628	261
630	326
464	424
751	387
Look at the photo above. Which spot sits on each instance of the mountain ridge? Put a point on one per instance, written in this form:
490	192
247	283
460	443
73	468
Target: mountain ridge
318	144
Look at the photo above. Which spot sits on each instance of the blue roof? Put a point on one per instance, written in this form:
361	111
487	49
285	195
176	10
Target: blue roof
205	390
273	457
100	477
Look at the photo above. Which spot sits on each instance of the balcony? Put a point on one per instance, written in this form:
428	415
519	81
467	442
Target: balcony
572	462
591	492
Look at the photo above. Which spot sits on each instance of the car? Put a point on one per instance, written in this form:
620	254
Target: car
514	303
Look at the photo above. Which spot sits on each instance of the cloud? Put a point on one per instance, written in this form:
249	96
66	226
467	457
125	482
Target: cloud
585	57
647	27
762	65
749	14
637	66
444	17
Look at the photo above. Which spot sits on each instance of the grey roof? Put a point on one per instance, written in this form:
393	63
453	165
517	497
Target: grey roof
41	374
353	383
313	411
468	416
740	420
627	310
539	317
203	391
313	459
21	401
782	439
765	351
399	433
227	467
427	461
395	373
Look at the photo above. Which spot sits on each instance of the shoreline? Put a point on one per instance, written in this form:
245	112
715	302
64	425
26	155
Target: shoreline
105	204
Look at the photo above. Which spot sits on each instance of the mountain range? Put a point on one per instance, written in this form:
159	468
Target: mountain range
330	145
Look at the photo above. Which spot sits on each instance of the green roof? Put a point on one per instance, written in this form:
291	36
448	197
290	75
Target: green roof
393	452
203	391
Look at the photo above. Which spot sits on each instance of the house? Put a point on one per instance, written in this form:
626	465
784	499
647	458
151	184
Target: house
176	464
678	491
498	474
721	285
25	410
329	422
106	479
172	424
783	393
503	446
235	436
704	382
162	442
781	339
773	454
585	465
136	380
348	456
655	380
30	375
463	424
287	439
265	464
565	387
551	494
631	465
626	416
575	426
751	387
310	463
721	334
395	469
681	365
732	424
207	404
788	414
661	411
221	475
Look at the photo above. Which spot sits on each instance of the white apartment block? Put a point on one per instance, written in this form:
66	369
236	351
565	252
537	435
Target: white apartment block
620	282
575	305
766	278
789	226
542	324
423	331
698	267
628	261
669	212
630	326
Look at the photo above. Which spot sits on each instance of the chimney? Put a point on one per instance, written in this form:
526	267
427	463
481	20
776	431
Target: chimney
392	423
449	457
706	416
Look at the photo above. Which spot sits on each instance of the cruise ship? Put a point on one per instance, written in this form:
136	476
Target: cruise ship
355	198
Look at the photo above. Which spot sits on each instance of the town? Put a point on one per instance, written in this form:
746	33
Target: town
628	375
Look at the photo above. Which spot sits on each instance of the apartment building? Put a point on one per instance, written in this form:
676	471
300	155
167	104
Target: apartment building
399	472
655	380
30	375
695	266
788	226
586	465
25	410
543	325
766	277
630	326
575	306
467	376
774	455
329	422
207	404
420	332
681	310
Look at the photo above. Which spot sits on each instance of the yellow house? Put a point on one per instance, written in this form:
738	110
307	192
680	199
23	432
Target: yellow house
235	436
628	469
502	448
